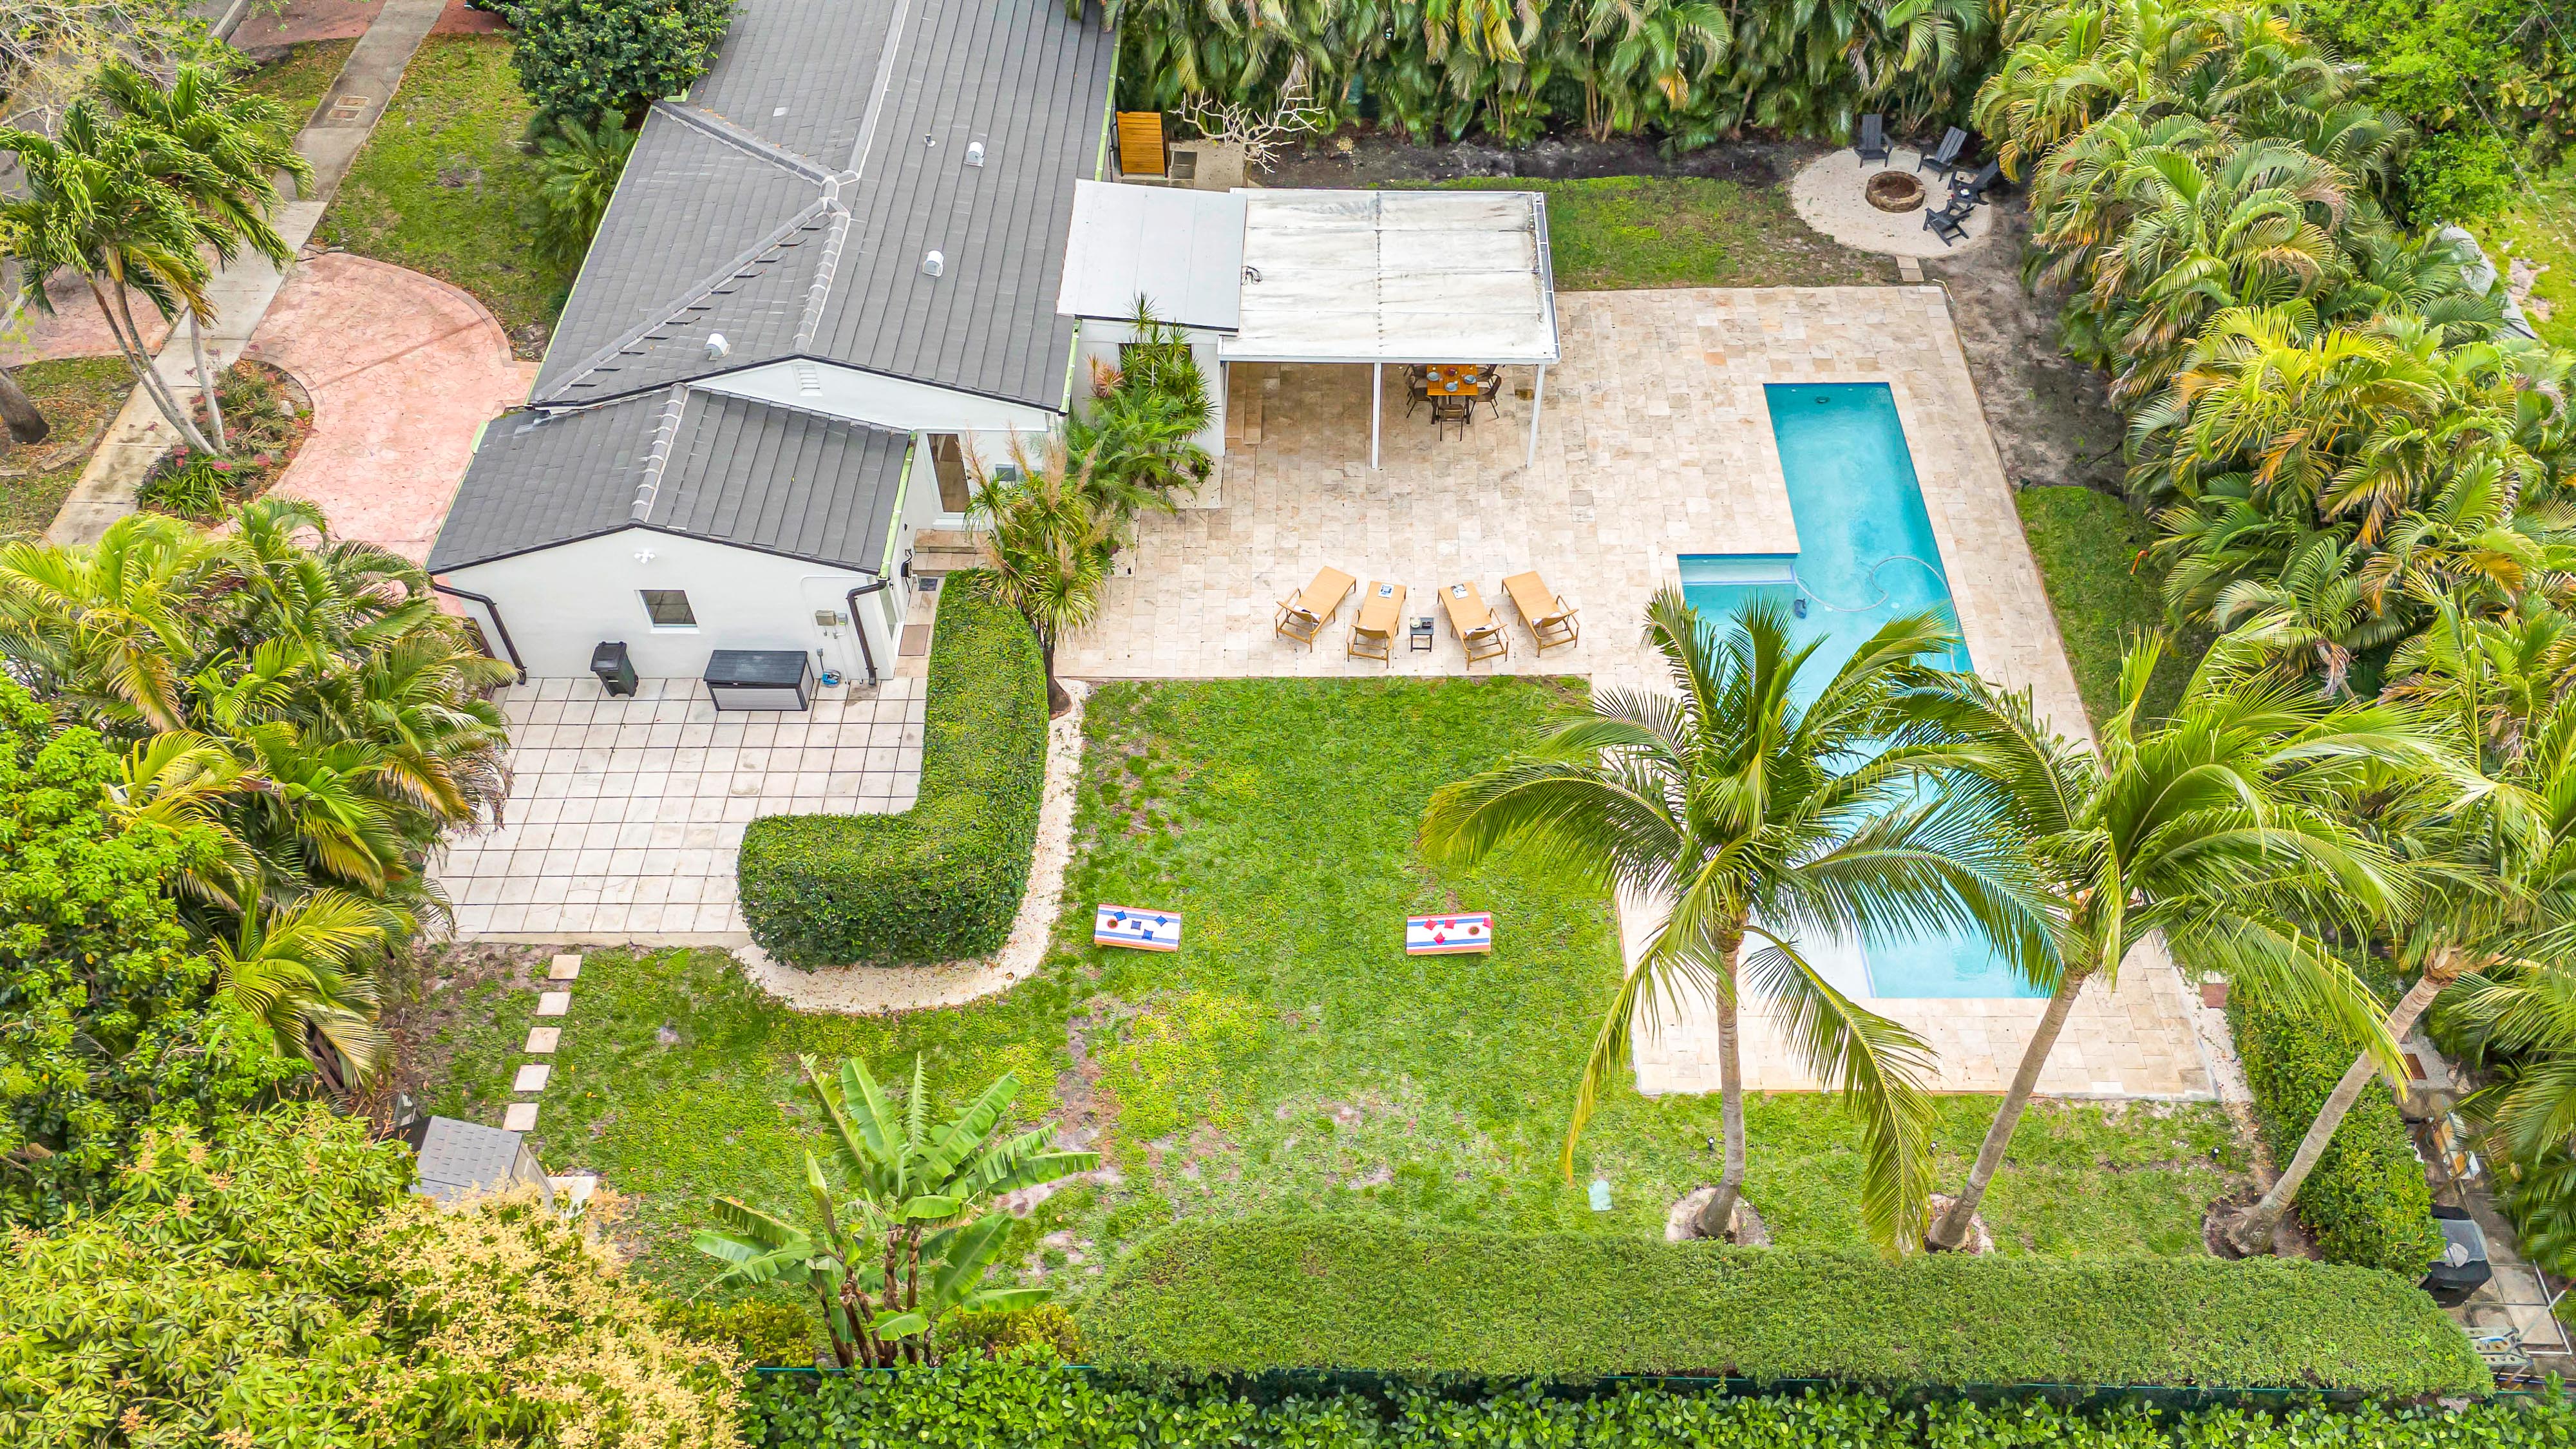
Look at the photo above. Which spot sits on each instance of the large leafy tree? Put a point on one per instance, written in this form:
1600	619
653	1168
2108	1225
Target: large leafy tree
2222	827
1752	820
905	1237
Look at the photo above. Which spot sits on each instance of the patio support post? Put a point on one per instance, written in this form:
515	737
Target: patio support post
1377	391
1538	400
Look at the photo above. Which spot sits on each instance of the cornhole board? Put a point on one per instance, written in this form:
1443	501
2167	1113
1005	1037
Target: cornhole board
1448	935
1136	930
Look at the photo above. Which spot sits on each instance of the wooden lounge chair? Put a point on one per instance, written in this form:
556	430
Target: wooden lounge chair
1973	188
1302	616
1949	223
1549	617
1381	618
1946	159
1473	621
1873	139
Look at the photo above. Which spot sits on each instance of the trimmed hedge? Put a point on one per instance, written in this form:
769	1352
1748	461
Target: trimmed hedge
2366	1203
1027	1405
1344	1294
943	879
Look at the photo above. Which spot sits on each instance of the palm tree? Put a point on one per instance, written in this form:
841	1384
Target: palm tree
291	970
1749	817
2218	827
1052	534
92	202
577	172
222	148
2314	616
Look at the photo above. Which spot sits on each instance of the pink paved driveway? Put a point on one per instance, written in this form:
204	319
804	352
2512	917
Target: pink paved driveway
300	20
75	328
403	369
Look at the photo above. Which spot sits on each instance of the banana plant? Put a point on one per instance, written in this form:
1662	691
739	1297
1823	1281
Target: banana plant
906	1238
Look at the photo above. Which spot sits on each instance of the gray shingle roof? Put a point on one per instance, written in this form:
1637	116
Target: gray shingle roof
679	460
789	202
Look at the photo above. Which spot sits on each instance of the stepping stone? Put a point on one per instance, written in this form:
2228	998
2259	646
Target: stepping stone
565	968
532	1077
541	1040
519	1117
554	1003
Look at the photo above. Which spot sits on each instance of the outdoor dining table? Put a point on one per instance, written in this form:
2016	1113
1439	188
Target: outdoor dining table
1452	379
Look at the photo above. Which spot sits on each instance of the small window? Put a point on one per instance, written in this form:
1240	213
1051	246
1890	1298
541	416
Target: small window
669	609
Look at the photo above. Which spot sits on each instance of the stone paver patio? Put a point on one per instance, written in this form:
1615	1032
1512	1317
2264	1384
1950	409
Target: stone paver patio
625	814
1656	443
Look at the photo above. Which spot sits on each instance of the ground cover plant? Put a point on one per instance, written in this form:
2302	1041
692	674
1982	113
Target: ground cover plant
1044	1407
79	396
1291	1058
1244	1296
2540	229
301	77
444	188
264	426
1615	233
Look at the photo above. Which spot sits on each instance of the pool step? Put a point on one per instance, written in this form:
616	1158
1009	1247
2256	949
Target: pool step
1739	568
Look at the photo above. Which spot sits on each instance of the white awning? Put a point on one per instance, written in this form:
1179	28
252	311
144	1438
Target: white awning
1394	276
1181	250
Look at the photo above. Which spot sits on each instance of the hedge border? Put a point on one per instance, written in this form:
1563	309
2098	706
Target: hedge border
1319	1293
2366	1202
943	879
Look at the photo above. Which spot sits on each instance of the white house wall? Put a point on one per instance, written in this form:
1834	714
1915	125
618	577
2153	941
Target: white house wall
1098	346
869	397
560	603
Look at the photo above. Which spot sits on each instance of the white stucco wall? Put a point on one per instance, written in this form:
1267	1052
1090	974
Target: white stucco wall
888	402
560	603
1099	342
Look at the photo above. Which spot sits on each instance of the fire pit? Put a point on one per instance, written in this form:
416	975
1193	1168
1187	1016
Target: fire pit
1895	191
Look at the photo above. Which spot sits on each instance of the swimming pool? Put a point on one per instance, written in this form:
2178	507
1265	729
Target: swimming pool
1866	555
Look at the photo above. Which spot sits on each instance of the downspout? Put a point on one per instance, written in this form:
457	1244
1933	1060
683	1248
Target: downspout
866	653
497	622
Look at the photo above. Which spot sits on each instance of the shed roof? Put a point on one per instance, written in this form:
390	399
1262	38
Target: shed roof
683	460
789	202
1182	251
1395	276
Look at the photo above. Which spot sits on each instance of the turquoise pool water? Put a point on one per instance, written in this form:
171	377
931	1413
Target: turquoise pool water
1866	555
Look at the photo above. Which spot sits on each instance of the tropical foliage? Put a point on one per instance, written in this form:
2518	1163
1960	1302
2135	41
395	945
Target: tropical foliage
273	1284
302	702
905	1239
578	166
1747	812
596	61
1687	70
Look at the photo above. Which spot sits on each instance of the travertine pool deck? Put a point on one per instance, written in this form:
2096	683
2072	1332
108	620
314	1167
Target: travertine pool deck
1656	442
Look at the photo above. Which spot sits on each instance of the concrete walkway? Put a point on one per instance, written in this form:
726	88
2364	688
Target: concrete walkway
403	369
240	294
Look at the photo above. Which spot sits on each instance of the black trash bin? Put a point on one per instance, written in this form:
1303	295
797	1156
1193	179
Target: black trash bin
616	672
2463	1267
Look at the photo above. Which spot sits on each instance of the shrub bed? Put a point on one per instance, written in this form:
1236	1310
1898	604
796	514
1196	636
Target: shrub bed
2366	1203
1034	1406
1339	1293
943	879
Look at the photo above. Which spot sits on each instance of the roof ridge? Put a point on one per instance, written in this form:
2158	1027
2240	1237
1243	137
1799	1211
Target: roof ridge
696	293
665	433
724	129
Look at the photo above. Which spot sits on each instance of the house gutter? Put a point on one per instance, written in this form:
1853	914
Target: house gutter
851	599
497	621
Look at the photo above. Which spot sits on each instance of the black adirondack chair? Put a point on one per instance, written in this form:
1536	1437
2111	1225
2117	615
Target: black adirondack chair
1946	159
1948	223
1873	139
1973	188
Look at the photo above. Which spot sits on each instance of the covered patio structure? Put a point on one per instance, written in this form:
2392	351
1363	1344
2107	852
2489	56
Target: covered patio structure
1357	278
1402	277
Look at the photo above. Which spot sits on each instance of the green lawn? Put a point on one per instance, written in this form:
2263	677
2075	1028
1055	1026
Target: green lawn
78	396
2543	231
1614	233
443	188
300	78
1290	1058
2092	551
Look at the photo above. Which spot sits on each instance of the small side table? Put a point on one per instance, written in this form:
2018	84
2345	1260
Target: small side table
1420	635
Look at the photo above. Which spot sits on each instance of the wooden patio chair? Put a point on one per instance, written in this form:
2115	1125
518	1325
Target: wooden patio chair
1873	139
1381	618
1473	621
1945	159
1949	223
1302	616
1549	618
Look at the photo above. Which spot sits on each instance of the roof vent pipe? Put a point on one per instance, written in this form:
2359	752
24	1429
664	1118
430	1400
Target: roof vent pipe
974	153
718	347
933	264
